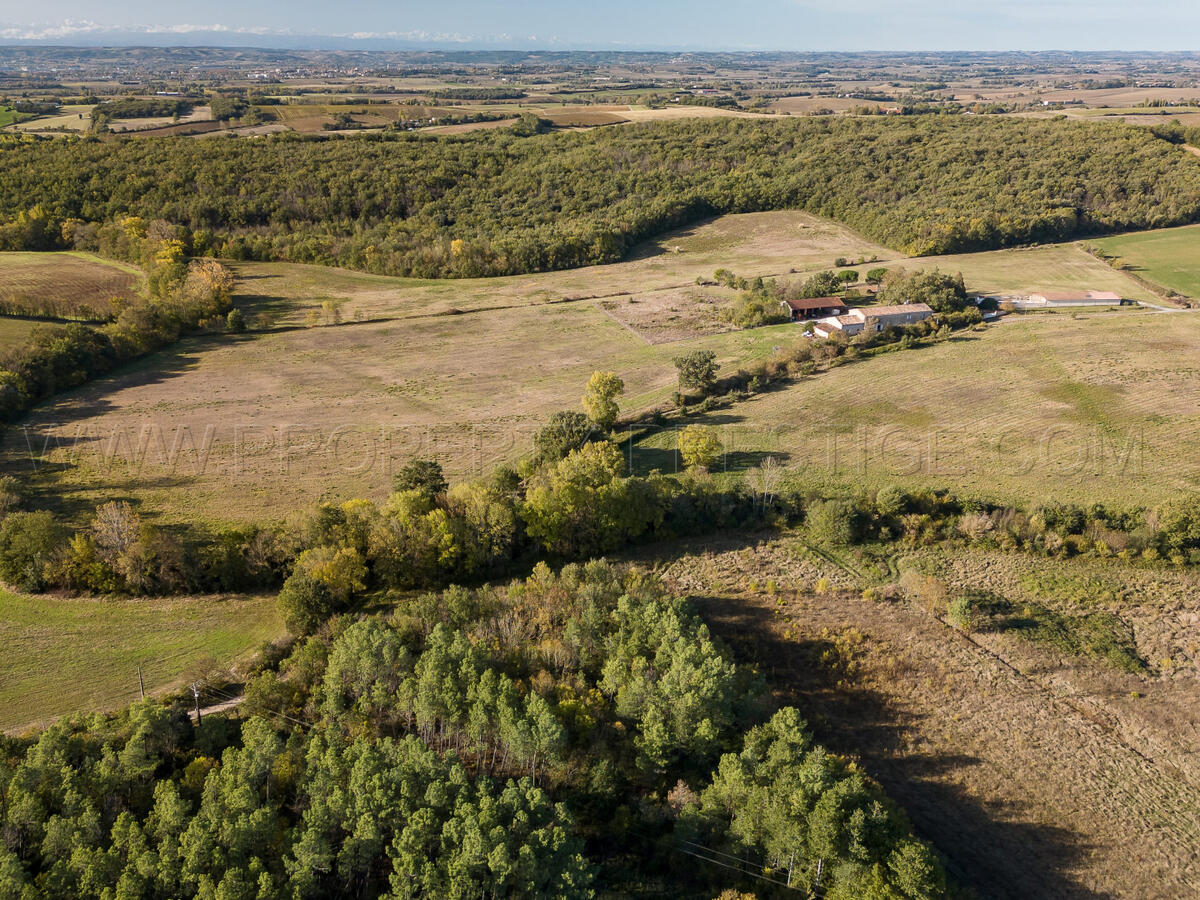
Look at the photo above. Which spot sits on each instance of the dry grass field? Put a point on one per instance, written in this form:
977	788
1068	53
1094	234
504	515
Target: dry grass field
1036	774
683	111
802	106
585	116
313	117
159	123
464	127
343	374
1086	407
1056	267
65	655
676	314
66	285
257	427
70	118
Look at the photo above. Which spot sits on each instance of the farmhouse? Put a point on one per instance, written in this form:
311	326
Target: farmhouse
886	316
872	318
847	324
1050	299
815	308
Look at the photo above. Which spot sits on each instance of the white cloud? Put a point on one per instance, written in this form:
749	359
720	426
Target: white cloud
83	28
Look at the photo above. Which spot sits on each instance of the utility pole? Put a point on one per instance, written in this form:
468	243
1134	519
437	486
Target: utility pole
141	683
196	698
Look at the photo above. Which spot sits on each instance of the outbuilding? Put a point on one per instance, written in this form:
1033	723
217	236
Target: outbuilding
814	308
1050	299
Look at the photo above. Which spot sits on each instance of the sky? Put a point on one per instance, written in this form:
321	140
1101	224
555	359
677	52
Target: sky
621	24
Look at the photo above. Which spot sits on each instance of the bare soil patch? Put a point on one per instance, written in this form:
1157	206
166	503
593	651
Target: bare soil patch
663	317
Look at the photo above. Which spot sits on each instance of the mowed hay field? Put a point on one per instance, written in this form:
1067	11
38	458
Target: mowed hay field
258	427
1091	407
1169	257
66	285
255	427
64	655
1055	267
70	118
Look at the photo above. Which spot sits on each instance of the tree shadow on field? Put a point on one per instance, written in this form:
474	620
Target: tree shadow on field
62	430
92	398
981	850
660	244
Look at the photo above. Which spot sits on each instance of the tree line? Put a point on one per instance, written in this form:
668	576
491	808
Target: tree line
491	203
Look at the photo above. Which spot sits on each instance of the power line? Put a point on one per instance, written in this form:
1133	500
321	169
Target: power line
726	855
272	712
737	869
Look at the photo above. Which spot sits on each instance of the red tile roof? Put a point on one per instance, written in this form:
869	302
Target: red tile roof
816	303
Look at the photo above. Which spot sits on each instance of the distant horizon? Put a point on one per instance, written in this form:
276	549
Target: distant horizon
282	41
849	26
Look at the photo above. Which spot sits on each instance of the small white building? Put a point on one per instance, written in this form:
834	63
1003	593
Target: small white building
847	324
1052	299
872	318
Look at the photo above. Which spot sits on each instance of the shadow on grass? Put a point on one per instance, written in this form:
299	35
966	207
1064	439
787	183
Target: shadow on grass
981	850
65	425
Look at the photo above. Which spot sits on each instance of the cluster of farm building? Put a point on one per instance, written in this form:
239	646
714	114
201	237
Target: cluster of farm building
831	315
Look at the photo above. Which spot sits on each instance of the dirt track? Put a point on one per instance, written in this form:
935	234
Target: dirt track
1028	788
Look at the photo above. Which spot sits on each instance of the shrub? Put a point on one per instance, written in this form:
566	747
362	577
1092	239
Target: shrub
699	446
834	523
891	501
304	603
566	431
960	613
29	543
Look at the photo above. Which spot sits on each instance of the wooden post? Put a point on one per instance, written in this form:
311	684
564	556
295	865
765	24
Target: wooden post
141	683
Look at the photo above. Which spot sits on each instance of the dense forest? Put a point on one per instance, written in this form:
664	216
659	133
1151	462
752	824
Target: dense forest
570	734
499	203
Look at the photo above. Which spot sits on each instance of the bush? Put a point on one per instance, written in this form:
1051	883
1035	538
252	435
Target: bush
29	543
699	446
566	431
834	523
891	501
304	603
960	613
